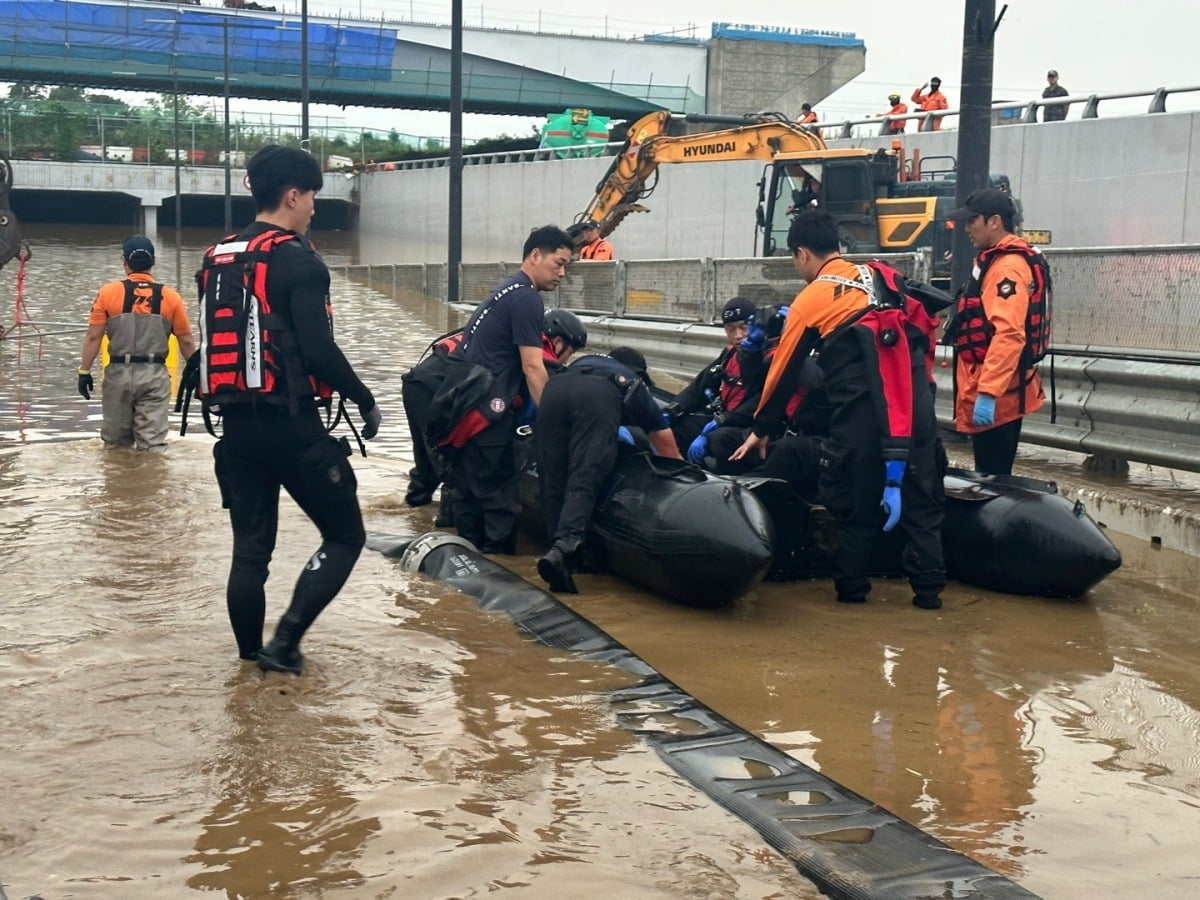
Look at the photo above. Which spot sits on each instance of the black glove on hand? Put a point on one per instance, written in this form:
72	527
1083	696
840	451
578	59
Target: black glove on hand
371	419
86	385
190	377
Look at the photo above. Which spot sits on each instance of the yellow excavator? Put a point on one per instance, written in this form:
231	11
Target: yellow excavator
880	200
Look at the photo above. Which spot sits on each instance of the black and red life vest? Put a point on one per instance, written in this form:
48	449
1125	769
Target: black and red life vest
733	391
248	351
970	332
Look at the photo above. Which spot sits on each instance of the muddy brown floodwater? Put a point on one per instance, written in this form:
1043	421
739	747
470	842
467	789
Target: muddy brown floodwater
429	751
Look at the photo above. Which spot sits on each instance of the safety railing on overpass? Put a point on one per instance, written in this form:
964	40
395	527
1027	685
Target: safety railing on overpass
1126	325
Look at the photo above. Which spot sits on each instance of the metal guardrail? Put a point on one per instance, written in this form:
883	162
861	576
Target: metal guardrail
832	130
1127	325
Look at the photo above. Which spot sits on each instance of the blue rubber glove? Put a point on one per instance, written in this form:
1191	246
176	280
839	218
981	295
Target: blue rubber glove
668	419
893	475
624	436
755	337
984	415
699	447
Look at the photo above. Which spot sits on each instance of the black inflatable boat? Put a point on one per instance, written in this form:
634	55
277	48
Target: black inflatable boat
705	540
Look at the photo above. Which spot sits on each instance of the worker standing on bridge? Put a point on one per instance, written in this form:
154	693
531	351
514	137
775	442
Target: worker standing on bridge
807	115
594	247
896	126
932	101
883	434
139	315
999	332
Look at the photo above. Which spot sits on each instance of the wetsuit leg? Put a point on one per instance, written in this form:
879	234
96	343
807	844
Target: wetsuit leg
794	460
721	444
585	411
322	482
250	491
922	504
424	477
996	448
485	488
552	441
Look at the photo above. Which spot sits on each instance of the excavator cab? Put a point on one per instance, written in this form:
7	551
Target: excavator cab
841	184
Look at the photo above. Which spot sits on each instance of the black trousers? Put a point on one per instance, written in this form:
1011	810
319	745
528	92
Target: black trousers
261	451
793	458
576	441
850	485
483	476
416	393
996	448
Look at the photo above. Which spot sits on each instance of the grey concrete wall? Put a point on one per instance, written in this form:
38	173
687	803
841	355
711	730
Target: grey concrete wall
753	76
1097	182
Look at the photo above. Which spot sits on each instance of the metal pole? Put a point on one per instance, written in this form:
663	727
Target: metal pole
304	74
454	237
228	161
975	120
178	179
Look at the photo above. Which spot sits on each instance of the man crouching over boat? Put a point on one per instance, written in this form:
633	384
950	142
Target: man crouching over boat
583	408
883	435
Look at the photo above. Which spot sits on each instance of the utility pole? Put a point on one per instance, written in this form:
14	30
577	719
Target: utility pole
454	237
228	161
975	120
304	75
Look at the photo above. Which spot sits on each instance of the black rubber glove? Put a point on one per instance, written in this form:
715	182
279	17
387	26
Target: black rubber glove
86	385
371	419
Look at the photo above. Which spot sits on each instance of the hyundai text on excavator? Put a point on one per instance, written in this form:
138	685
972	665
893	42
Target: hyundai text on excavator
880	200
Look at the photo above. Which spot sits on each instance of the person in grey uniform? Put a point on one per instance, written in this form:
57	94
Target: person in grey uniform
139	315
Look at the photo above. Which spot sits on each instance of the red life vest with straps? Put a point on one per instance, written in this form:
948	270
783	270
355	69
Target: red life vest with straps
732	392
248	350
970	332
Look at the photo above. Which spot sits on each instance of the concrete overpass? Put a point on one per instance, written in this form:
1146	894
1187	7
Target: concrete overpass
160	47
138	192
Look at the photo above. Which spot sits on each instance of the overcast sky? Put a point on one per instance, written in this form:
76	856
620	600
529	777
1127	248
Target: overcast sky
1124	47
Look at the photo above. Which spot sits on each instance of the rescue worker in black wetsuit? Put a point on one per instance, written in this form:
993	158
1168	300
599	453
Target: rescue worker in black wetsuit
883	434
576	438
503	338
726	390
273	433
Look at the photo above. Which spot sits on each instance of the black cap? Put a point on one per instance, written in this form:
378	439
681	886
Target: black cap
739	309
935	80
985	202
627	356
590	223
1053	73
138	251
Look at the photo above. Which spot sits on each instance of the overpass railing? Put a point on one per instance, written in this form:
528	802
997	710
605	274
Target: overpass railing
1126	328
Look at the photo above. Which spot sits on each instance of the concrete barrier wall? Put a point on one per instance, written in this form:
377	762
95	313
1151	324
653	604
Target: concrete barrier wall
1097	182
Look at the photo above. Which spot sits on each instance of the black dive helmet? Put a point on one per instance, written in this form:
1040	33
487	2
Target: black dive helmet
565	324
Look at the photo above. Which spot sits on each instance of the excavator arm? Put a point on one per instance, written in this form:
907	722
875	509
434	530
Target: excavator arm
649	145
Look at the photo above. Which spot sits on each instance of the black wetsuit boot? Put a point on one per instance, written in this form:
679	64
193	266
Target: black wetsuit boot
318	584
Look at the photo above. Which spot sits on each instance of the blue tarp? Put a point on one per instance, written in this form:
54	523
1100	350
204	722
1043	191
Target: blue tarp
785	35
188	38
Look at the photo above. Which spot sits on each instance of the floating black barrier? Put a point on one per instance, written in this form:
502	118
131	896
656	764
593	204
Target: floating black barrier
847	845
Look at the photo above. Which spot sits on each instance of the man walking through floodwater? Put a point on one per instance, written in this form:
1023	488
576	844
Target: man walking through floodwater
139	315
267	288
